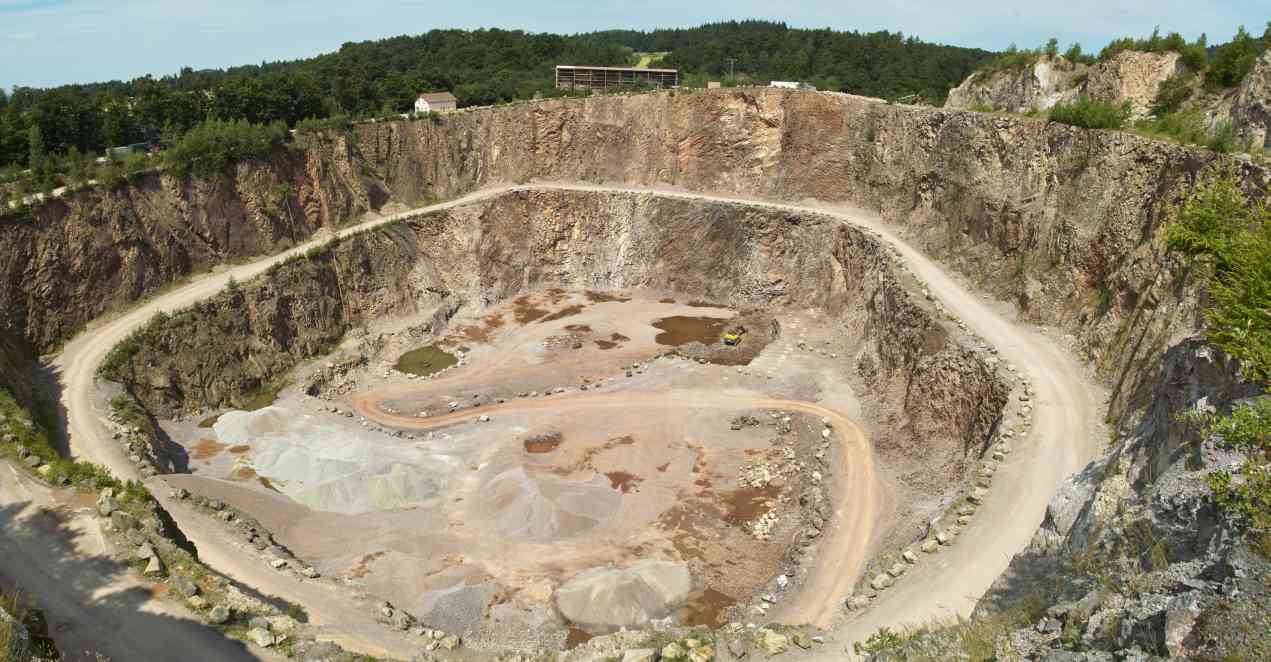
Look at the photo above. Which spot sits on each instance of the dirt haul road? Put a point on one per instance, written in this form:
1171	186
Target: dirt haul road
943	586
55	553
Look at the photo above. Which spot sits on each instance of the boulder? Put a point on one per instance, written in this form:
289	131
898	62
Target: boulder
640	655
737	647
673	651
703	653
121	521
185	586
106	503
219	615
929	546
881	581
261	637
197	603
802	640
897	569
771	643
155	567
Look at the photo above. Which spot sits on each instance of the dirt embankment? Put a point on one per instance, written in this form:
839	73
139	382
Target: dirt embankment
936	401
96	251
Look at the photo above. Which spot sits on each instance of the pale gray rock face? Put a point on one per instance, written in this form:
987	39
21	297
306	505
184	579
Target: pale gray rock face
1251	112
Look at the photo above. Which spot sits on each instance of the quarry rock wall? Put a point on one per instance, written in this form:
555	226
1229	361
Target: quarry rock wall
1065	222
97	250
1039	86
945	399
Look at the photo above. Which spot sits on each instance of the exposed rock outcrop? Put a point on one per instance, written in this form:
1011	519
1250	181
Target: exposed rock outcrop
1147	561
1065	221
1131	76
92	252
1251	112
1035	87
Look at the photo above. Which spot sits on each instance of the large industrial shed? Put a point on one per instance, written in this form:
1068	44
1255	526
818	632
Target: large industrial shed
604	78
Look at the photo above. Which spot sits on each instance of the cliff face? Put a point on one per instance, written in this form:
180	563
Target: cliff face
1020	90
947	399
95	251
1064	221
1251	110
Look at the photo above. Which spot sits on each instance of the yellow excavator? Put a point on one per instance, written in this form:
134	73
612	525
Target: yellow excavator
732	337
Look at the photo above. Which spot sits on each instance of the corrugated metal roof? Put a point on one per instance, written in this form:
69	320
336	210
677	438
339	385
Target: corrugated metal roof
583	66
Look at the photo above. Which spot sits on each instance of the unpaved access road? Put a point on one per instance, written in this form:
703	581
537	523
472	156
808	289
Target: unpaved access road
1065	410
53	550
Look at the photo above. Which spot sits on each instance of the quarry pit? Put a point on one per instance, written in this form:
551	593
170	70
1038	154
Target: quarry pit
516	419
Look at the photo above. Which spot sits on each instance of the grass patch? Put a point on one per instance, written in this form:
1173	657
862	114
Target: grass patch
264	395
425	361
1091	113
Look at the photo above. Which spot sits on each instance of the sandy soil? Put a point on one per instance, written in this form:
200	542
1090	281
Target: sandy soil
1065	412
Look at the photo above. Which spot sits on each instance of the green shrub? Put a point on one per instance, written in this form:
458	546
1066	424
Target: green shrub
1172	93
1091	114
1188	127
1231	237
211	148
1233	60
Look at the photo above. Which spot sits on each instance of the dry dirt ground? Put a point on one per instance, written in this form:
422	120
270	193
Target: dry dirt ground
574	445
1066	412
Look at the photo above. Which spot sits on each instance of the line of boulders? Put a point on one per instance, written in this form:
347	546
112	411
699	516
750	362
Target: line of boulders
251	531
403	621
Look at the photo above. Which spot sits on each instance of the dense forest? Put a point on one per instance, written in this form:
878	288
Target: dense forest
876	64
39	128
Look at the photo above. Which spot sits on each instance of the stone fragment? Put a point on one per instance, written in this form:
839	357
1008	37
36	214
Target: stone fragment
881	581
929	546
640	655
450	642
897	569
802	640
219	615
261	637
673	651
155	567
185	586
771	643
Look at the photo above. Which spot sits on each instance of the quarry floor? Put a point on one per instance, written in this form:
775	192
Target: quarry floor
1067	405
574	440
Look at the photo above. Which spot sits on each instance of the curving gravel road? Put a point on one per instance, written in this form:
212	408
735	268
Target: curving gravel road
1065	410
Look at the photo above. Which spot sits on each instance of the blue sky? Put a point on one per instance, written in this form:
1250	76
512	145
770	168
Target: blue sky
50	42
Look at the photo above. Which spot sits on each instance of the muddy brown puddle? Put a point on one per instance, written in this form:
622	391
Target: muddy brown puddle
682	330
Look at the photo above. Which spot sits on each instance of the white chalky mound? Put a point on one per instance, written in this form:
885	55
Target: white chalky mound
331	468
626	597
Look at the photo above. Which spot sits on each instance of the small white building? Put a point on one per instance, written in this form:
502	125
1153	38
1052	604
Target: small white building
792	85
435	102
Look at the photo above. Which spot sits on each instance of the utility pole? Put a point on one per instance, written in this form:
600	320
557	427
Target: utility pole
731	73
